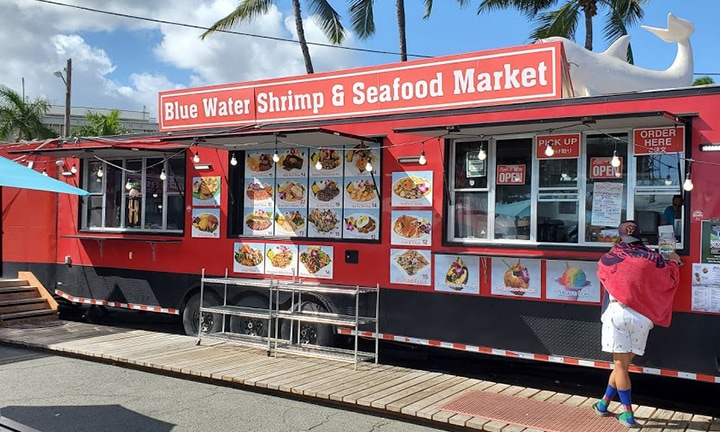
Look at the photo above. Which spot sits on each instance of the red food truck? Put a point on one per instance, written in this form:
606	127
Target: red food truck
476	190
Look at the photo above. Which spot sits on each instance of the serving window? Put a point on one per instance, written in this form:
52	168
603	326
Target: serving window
576	192
130	194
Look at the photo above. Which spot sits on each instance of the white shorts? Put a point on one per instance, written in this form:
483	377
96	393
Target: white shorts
624	330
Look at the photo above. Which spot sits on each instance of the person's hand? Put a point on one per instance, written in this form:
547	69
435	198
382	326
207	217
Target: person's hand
675	257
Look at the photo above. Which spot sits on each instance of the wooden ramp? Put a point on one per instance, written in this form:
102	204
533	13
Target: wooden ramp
439	399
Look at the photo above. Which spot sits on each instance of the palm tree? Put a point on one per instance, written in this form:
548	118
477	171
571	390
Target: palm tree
703	81
328	19
363	23
20	120
564	21
101	125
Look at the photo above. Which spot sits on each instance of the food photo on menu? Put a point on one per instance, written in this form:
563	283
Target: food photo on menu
360	193
574	281
410	267
412	189
516	277
325	192
281	259
260	164
324	222
330	161
290	222
292	193
362	225
258	221
292	163
259	191
206	223
457	273
206	191
316	261
411	227
357	159
249	258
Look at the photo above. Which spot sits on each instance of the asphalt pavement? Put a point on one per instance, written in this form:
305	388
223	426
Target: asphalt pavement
64	394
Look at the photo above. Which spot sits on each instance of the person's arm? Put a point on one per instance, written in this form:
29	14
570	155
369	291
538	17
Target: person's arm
668	216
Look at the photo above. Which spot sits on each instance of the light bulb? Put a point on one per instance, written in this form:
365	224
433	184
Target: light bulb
128	185
44	172
99	172
668	180
233	160
73	169
482	155
368	166
615	159
422	160
688	185
196	158
318	165
549	150
60	162
163	176
30	164
618	173
155	195
276	157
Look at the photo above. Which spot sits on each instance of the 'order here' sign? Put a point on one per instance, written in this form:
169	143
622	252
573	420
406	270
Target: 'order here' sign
517	74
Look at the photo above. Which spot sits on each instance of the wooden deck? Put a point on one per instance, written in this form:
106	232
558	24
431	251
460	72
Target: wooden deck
399	391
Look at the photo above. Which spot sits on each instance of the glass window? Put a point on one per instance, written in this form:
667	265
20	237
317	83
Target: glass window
471	190
557	207
129	194
605	186
512	189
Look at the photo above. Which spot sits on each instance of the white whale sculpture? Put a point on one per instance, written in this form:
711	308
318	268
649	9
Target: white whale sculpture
609	72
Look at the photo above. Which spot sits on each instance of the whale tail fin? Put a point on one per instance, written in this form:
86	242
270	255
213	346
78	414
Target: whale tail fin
678	30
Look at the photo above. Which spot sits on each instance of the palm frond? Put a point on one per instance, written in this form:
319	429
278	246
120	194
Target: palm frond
361	18
329	20
246	10
562	22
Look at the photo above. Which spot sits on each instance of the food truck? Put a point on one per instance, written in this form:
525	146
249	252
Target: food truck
478	191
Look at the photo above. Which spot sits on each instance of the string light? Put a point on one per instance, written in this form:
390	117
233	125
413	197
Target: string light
615	159
128	185
276	157
481	154
100	172
60	162
233	160
163	176
73	169
549	151
422	160
44	172
688	184
318	165
668	180
368	166
196	158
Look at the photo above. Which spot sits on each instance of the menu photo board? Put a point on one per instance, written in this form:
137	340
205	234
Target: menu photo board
412	189
249	257
316	262
206	223
410	267
281	259
516	277
206	191
457	274
574	281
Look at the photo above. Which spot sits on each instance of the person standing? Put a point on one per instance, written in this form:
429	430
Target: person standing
673	211
639	290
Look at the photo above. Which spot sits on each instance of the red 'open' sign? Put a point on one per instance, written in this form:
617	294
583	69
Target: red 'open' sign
510	174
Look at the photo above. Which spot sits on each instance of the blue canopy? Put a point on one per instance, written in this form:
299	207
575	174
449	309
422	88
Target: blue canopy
16	175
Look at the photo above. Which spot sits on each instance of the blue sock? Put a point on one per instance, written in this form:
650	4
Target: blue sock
626	399
610	393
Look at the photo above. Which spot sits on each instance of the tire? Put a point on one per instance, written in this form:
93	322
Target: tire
251	326
191	314
310	333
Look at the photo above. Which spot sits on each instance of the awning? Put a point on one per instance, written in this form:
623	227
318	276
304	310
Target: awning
15	175
264	139
114	149
601	122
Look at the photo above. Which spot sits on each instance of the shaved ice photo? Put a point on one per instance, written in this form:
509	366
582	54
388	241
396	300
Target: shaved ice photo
573	281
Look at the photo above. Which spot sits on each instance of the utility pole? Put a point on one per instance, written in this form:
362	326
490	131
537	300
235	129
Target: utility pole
67	79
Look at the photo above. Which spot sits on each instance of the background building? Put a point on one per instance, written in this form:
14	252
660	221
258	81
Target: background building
135	121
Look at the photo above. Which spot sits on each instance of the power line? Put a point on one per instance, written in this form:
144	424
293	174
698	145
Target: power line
193	26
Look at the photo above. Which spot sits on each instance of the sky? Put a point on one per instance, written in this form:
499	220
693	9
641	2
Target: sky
120	62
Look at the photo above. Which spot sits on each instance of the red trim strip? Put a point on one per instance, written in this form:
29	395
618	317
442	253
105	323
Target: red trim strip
132	306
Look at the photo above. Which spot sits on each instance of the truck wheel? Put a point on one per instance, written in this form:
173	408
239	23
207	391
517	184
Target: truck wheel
310	333
191	314
247	325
